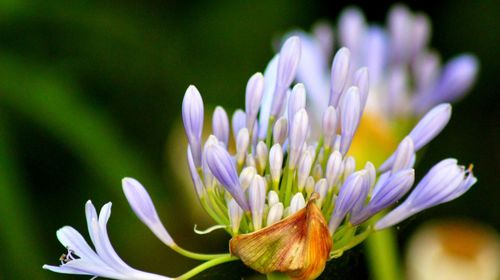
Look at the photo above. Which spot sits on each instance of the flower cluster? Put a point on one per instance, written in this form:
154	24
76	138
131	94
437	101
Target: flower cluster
279	177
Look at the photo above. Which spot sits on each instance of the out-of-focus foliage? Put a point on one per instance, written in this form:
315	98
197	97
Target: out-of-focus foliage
89	92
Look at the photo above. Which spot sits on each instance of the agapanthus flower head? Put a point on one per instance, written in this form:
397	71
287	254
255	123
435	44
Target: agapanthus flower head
291	193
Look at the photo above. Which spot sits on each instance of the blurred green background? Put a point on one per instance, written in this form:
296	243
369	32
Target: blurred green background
91	91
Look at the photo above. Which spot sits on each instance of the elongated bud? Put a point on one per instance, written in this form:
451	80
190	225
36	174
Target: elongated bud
298	134
246	177
334	169
272	198
287	66
393	189
362	82
309	186
457	77
350	113
317	172
444	182
304	169
253	97
280	131
275	214
235	215
339	76
430	125
351	29
400	28
269	86
321	188
404	155
349	166
143	207
192	117
330	124
220	125
275	162
261	155
371	174
257	200
222	167
297	100
420	34
298	202
351	195
208	178
242	142
238	122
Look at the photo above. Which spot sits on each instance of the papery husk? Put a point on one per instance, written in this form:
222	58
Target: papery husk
298	245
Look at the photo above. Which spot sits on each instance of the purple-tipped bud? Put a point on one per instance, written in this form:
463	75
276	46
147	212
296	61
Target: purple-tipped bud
192	116
280	131
257	200
305	165
235	215
334	169
400	27
393	189
275	214
195	177
430	125
456	79
362	82
444	182
330	122
287	67
371	174
351	195
375	53
404	155
143	206
298	135
349	166
238	122
321	188
242	142
220	125
421	33
350	113
275	162
267	99
296	101
254	92
222	167
298	202
339	76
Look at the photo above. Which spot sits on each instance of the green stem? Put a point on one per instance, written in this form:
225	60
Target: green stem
269	134
288	189
206	265
382	255
195	256
277	276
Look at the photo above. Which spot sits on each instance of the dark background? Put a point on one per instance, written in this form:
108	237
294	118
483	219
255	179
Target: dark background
91	92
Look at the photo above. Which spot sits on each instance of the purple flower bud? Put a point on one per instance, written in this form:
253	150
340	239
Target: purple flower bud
375	53
330	122
275	162
334	169
220	125
321	188
339	76
296	101
444	182
280	131
400	28
305	165
261	156
269	86
393	189
362	82
257	200
222	167
420	34
350	113
235	215
254	92
246	177
349	166
192	116
351	195
371	174
242	142
404	155
430	125
287	67
143	206
352	29
238	122
298	135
